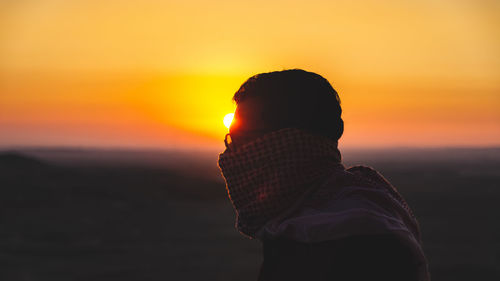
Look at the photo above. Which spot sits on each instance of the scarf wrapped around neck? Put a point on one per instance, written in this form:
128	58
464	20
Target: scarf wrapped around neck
288	170
266	177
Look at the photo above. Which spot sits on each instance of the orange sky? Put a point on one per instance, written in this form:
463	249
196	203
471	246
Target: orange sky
162	73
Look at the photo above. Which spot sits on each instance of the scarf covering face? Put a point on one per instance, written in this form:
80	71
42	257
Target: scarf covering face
279	173
266	177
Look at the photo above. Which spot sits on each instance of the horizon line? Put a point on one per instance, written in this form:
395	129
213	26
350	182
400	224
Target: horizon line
7	148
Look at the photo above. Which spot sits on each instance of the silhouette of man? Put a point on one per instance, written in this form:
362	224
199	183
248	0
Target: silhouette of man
316	219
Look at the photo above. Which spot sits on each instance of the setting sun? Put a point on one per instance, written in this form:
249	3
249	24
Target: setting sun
228	119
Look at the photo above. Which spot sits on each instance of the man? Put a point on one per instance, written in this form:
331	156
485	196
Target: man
317	220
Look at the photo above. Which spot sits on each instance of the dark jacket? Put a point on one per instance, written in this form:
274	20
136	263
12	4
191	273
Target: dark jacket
363	257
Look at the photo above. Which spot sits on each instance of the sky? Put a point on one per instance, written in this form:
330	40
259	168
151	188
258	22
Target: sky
161	74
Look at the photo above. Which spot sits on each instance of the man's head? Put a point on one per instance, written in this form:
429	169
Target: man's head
286	99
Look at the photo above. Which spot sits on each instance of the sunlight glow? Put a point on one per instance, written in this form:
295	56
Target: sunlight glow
228	119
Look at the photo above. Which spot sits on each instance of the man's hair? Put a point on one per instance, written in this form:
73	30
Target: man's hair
295	98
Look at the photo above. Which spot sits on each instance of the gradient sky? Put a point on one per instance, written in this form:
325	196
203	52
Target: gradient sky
162	73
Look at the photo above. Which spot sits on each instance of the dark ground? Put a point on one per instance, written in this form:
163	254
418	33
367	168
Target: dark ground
123	215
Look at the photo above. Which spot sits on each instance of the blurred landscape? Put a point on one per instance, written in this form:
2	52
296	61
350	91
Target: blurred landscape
83	214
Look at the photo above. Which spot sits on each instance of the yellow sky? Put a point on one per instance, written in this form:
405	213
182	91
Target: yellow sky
162	73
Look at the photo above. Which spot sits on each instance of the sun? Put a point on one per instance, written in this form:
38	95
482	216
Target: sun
228	119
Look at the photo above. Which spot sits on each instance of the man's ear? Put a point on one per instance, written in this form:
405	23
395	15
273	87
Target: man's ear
340	125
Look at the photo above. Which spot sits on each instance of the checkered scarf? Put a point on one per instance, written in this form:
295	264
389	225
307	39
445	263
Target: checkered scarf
266	177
